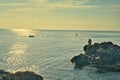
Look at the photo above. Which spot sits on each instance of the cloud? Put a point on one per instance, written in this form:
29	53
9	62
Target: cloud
60	3
39	1
114	6
34	5
70	5
12	4
45	4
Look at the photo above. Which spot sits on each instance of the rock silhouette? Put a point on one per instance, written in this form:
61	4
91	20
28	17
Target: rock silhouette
105	56
27	75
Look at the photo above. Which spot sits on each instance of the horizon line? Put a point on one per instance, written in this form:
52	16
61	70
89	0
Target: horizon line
62	29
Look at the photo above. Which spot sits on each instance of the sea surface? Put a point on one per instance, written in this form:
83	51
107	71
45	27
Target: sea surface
50	51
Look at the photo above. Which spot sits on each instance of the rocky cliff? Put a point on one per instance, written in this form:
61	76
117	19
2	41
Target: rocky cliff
27	75
105	55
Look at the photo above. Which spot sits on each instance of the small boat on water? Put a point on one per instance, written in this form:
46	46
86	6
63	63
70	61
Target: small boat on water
31	36
76	34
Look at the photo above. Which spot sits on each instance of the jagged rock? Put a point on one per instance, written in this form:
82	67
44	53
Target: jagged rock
81	60
27	75
105	55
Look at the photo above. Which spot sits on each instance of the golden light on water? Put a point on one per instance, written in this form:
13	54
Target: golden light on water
23	32
17	60
18	49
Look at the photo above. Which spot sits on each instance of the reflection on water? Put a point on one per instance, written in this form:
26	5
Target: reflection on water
17	60
23	32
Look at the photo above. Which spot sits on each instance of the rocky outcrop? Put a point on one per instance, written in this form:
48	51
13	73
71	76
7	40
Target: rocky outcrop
80	60
27	75
105	55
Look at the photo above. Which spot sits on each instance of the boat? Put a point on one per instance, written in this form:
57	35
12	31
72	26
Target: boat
31	36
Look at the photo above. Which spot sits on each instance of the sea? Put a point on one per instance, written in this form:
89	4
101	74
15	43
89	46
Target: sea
48	52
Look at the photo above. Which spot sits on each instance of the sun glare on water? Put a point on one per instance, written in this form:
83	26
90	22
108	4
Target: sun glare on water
23	32
17	53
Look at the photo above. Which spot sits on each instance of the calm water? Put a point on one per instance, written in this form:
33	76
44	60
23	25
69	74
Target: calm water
50	51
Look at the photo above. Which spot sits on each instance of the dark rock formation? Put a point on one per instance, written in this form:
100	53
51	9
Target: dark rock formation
105	55
27	75
81	60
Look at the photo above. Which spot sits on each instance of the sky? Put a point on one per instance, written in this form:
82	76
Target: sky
60	14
